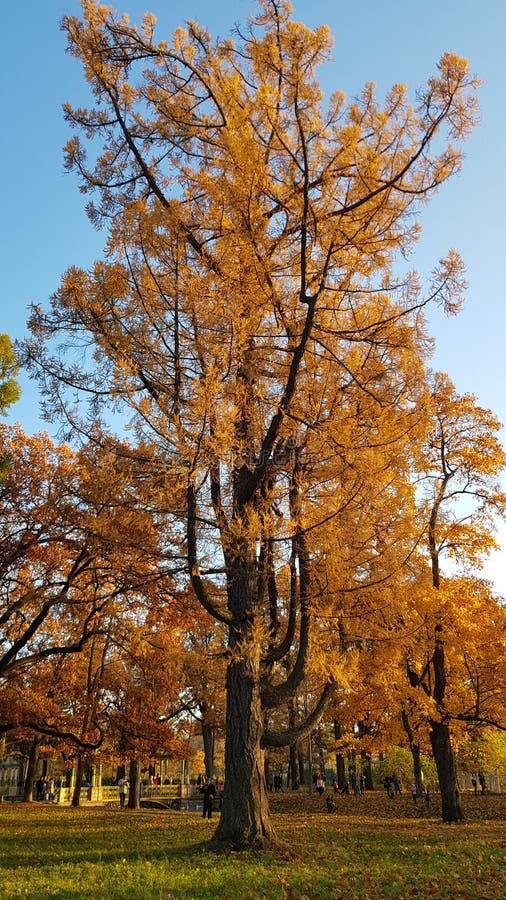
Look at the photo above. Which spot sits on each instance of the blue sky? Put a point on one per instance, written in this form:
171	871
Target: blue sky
44	226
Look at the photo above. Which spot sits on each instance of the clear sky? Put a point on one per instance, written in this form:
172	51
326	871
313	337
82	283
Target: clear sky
44	226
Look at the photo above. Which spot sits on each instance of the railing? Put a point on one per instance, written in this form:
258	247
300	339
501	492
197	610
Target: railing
10	792
169	791
110	794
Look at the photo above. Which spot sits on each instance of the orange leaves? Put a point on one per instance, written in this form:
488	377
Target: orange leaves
76	535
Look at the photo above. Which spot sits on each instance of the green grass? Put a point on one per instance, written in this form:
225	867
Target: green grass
368	849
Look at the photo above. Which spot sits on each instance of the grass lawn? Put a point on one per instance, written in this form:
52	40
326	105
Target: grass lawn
369	848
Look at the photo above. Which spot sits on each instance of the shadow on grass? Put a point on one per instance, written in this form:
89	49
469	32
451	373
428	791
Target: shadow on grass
365	850
56	836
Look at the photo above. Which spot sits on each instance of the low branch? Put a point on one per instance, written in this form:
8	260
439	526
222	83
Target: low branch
68	735
198	585
285	738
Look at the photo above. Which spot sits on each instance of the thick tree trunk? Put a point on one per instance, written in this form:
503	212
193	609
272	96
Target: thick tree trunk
134	779
245	819
76	796
30	771
447	775
441	740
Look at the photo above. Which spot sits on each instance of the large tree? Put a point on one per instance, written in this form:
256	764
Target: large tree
248	317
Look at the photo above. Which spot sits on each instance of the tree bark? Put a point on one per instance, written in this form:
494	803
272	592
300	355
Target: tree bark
340	761
76	796
302	767
415	752
245	819
417	767
134	779
440	739
293	751
30	770
367	769
294	767
451	810
208	741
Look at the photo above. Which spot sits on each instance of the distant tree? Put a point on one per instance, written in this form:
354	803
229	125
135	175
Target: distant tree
145	689
10	390
462	462
249	321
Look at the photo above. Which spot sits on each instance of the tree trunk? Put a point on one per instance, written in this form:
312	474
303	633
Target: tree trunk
415	752
441	740
30	771
76	796
294	767
367	769
340	761
245	819
293	761
208	741
134	778
417	768
447	775
321	756
302	767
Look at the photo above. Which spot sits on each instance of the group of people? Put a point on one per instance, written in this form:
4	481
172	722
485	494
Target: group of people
392	785
415	793
478	778
355	784
45	788
276	782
